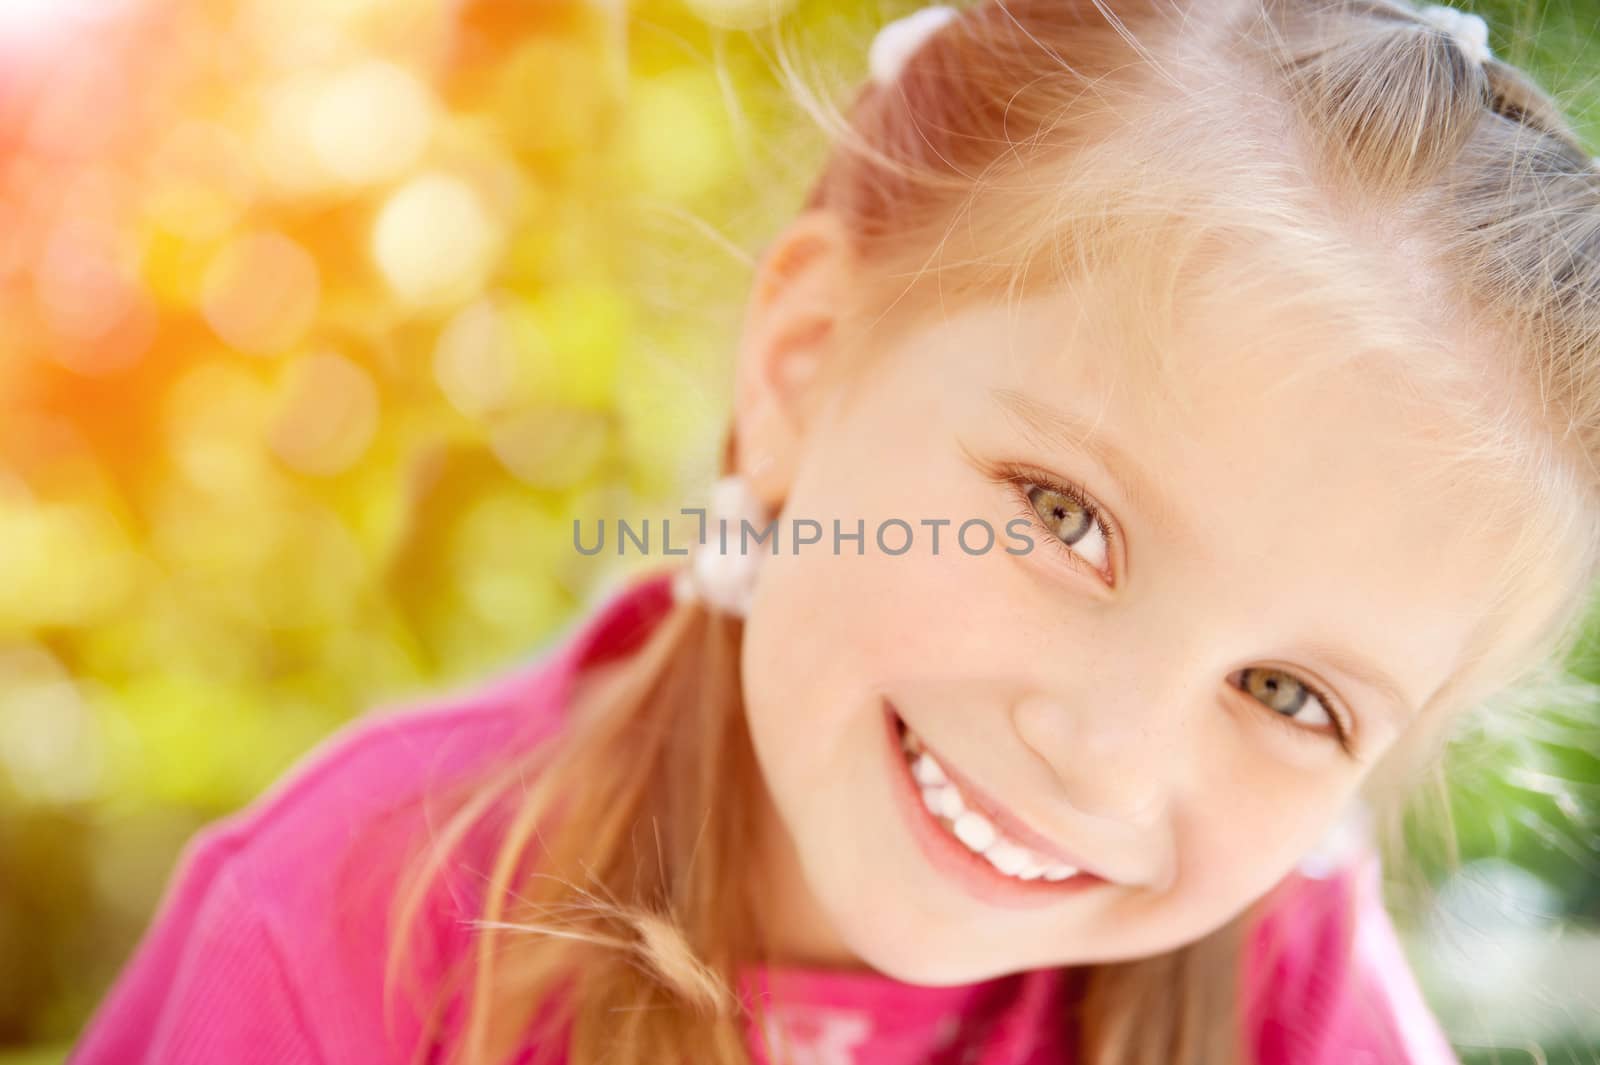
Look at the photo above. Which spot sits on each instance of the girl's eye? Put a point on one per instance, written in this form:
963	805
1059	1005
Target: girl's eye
1293	702
1075	526
1069	517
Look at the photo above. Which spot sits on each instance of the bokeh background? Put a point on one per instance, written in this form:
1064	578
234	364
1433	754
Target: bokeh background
320	322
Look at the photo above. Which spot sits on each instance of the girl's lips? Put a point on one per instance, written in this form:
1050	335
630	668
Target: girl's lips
1005	820
972	871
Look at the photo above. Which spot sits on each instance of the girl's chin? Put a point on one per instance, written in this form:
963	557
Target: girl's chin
884	935
917	962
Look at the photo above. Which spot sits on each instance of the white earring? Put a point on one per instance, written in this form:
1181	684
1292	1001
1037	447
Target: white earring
1344	840
721	571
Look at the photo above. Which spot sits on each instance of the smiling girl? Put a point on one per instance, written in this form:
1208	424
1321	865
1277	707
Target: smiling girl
1262	335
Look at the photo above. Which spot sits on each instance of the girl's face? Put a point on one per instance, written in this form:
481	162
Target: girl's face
1157	688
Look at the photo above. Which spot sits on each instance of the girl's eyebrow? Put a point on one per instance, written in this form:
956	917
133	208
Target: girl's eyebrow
1364	671
1051	426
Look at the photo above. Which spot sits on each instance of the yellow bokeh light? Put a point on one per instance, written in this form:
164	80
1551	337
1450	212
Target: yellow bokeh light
500	555
199	181
331	573
676	141
741	14
552	448
583	327
434	241
261	293
174	268
215	417
295	34
61	563
475	359
552	95
283	137
370	122
327	414
49	746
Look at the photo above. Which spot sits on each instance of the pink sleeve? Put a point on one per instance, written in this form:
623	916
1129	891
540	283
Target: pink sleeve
1380	1015
207	984
1330	984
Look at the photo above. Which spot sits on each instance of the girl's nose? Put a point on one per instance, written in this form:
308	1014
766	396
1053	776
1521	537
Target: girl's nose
1114	759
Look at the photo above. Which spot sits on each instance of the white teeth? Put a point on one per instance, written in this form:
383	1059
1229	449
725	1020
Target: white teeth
975	831
950	804
927	771
1007	857
944	800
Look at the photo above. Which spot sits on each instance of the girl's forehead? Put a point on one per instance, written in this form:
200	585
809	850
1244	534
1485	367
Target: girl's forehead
1186	371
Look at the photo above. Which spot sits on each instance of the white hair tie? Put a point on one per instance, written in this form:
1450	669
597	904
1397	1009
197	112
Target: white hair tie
1471	33
898	40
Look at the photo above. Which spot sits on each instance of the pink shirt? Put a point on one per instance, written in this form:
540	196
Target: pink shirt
269	945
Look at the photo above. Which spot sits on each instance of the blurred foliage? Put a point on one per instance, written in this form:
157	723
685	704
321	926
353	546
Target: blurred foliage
320	322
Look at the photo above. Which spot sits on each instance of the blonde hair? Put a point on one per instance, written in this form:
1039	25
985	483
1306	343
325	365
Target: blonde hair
1173	153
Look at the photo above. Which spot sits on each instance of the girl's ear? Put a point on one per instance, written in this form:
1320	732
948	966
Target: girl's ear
790	333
